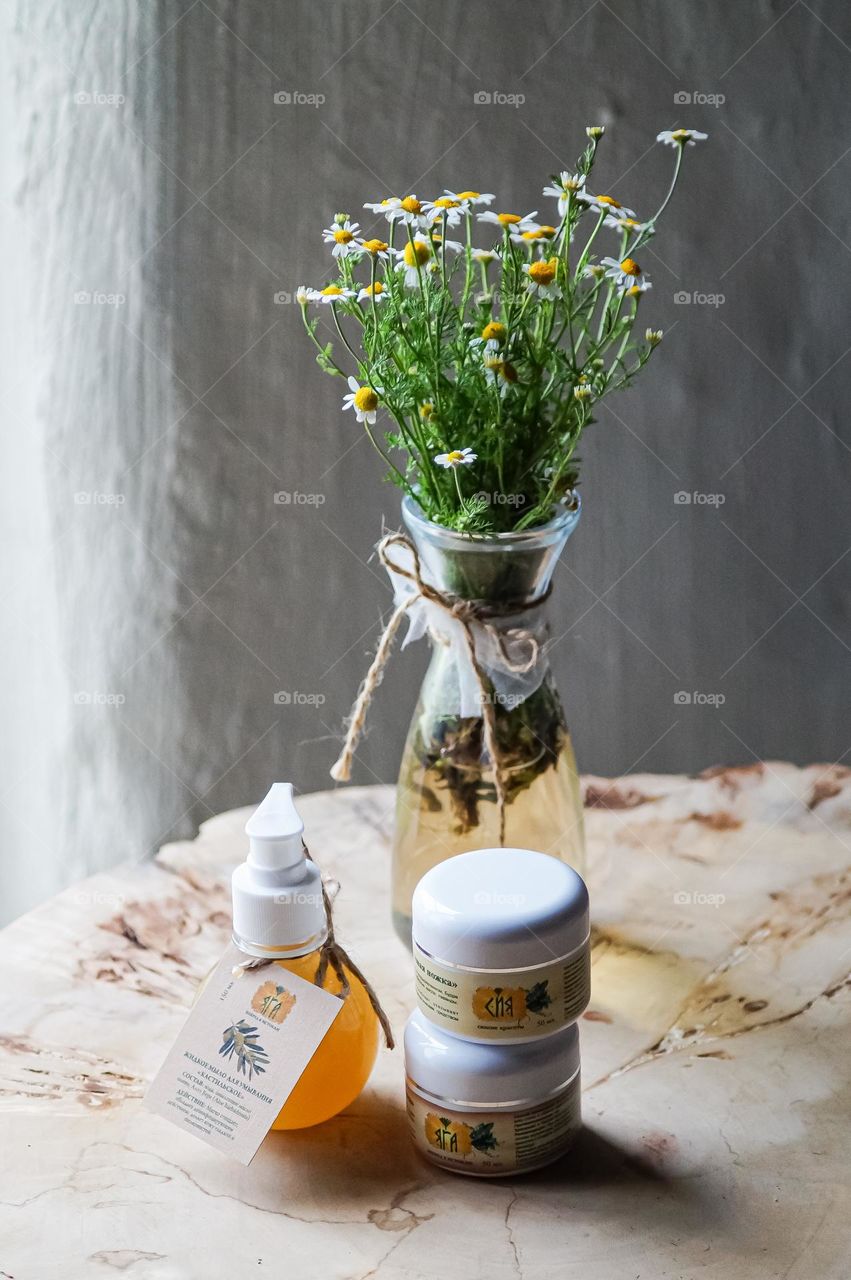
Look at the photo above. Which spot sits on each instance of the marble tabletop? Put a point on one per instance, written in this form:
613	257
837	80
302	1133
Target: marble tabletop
716	1055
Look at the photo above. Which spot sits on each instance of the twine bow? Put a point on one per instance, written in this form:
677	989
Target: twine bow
468	613
332	954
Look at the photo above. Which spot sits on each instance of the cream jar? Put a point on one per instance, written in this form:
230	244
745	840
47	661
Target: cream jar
490	1110
501	945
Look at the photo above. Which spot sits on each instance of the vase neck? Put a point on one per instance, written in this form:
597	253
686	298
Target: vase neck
505	570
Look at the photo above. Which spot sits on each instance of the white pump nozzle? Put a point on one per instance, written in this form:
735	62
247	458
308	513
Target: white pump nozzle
274	831
278	909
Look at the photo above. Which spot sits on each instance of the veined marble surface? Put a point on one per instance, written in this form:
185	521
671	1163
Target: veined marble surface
715	1064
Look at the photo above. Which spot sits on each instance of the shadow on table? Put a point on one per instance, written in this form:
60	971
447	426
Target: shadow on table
366	1154
366	1150
603	1180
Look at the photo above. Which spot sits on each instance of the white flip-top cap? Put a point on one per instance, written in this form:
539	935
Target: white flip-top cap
277	892
460	1071
500	909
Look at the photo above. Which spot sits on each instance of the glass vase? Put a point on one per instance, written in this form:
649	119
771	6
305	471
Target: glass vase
447	799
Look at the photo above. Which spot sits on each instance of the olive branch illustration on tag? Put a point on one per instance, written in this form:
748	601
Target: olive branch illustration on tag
241	1039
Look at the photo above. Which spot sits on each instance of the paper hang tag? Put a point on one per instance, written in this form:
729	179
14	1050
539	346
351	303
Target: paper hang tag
240	1054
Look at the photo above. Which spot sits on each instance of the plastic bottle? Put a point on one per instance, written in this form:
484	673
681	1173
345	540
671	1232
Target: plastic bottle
279	914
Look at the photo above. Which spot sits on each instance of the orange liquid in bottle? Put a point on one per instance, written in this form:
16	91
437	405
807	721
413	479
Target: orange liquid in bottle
341	1066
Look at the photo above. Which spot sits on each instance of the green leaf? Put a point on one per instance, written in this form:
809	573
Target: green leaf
538	997
482	1137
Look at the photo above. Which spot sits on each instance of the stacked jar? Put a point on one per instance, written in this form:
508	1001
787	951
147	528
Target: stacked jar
502	961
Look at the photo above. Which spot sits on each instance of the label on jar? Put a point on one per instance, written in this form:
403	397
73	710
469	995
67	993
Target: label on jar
510	1005
494	1142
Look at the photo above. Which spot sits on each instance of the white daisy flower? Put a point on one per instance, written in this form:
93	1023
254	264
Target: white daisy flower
498	372
619	222
595	131
385	206
605	204
542	277
445	209
489	349
654	336
456	458
626	274
364	401
515	221
681	137
534	234
492	337
305	294
410	210
342	237
375	248
370	291
332	293
437	240
563	186
582	392
468	199
417	253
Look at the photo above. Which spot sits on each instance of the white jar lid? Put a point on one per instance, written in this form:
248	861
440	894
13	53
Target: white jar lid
500	909
445	1067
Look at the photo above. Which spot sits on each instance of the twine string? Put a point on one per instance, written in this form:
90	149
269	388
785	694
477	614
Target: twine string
468	613
332	954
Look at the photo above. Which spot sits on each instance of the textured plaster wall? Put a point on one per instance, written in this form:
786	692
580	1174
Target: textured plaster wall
151	623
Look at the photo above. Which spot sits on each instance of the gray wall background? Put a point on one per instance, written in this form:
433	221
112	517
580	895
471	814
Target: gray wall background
156	596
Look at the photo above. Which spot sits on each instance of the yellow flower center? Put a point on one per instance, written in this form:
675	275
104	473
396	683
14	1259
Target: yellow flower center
540	233
493	332
469	195
680	135
426	410
416	253
445	203
630	267
628	222
509	219
332	291
610	201
343	237
411	205
366	400
543	272
375	246
373	290
454	456
634	292
502	369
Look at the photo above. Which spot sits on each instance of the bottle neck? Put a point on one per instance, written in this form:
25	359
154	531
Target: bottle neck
292	951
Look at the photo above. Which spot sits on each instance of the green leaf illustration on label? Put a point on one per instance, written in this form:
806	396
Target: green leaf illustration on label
482	1137
241	1039
538	997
